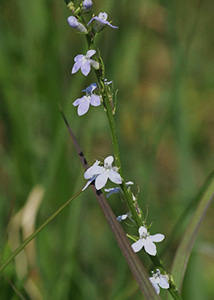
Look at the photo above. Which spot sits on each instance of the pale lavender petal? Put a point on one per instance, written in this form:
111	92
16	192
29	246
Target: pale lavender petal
101	180
93	170
157	237
91	20
83	108
76	67
150	247
95	100
90	53
129	183
79	57
112	26
142	230
94	64
108	160
155	285
163	282
78	101
122	217
137	246
86	68
89	182
115	177
111	191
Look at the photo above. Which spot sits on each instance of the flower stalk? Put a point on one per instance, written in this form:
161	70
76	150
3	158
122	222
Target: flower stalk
131	201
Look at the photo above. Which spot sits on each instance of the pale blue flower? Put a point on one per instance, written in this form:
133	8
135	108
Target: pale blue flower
84	62
100	22
158	280
124	217
87	5
107	82
87	100
146	240
102	174
116	190
74	23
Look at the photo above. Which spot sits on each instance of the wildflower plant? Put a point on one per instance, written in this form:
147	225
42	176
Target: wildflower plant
100	172
100	93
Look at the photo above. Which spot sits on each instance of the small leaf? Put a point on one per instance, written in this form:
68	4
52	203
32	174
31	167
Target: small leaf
183	253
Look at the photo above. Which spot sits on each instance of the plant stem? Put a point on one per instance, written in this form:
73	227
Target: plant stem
34	234
100	74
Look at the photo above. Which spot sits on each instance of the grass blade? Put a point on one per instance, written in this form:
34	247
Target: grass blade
182	255
34	234
132	259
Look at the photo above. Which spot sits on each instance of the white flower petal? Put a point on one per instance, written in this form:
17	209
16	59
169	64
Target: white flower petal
90	53
108	160
79	57
83	108
101	180
78	101
122	217
129	183
155	285
86	68
150	247
137	246
95	100
115	177
76	66
157	237
89	182
94	64
164	284
93	170
142	230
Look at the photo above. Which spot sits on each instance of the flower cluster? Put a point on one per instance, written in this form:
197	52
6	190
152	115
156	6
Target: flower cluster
100	172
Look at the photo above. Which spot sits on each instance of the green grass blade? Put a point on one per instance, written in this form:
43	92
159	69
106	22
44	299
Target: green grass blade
34	234
183	253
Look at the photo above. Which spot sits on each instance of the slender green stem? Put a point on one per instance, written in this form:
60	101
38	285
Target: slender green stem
135	211
34	234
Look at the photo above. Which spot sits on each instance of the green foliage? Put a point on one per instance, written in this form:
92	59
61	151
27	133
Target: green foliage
161	60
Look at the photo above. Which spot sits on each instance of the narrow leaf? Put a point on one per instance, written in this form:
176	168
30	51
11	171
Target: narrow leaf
132	259
183	253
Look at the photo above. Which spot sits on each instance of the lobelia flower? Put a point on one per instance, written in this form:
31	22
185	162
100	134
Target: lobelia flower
116	190
158	280
146	240
87	100
87	5
107	82
84	62
101	22
102	174
74	23
124	217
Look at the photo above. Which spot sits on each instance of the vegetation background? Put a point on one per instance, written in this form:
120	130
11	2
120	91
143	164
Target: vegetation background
161	62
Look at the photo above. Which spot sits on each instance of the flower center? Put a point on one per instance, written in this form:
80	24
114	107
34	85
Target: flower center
144	235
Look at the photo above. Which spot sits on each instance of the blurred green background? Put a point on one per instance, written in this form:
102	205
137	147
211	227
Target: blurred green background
161	62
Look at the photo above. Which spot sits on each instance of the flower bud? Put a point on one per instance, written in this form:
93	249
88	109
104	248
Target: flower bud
74	23
87	5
